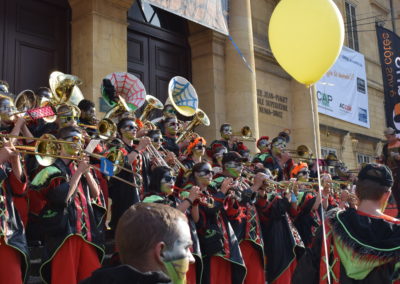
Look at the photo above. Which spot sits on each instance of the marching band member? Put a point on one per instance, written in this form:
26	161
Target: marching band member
216	153
307	220
73	241
161	191
14	258
88	116
123	195
243	216
170	126
263	144
279	161
362	244
227	140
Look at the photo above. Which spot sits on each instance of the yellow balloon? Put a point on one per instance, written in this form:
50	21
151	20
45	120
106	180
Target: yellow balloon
306	37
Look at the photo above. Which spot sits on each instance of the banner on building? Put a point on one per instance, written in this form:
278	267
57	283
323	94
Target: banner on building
342	92
210	13
389	53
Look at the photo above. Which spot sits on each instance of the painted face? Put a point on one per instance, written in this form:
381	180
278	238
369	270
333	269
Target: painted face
263	145
226	132
171	127
89	114
167	183
177	258
169	111
129	129
234	168
157	140
73	149
68	120
6	109
204	175
199	149
303	174
278	146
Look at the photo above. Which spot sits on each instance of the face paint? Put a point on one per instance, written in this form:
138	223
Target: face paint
278	146
73	149
6	109
234	168
219	155
167	183
171	127
157	140
303	175
177	258
199	149
263	145
226	132
204	175
129	130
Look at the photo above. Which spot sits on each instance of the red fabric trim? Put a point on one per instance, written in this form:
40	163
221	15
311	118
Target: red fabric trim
18	187
10	264
384	217
254	264
220	270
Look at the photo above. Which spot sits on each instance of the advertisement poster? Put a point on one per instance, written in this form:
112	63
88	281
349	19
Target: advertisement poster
342	93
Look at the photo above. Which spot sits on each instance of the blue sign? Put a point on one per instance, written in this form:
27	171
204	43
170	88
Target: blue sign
106	167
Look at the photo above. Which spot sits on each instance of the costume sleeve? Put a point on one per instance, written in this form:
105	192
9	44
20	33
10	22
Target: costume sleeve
57	192
19	187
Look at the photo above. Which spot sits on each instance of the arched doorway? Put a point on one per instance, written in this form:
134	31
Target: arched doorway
158	48
34	41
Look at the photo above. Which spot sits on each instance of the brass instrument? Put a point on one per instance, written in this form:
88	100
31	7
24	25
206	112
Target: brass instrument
152	103
26	100
63	85
199	118
205	199
106	128
157	156
47	150
245	134
302	152
178	164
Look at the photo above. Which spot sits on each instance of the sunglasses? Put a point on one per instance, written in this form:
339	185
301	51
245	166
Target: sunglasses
169	178
158	140
172	124
206	173
69	118
130	127
304	172
199	147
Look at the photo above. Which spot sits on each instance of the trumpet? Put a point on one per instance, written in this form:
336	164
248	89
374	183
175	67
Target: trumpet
157	156
205	199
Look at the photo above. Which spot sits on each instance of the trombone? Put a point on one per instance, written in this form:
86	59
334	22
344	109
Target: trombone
245	134
47	150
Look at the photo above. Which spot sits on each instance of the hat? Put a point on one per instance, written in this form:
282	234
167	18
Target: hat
378	173
233	156
389	131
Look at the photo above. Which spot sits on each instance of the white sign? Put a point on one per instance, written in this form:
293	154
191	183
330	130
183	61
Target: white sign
342	93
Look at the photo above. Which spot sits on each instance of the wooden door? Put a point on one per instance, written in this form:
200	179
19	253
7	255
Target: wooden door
35	37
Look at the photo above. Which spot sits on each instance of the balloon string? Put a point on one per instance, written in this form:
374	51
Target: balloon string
317	153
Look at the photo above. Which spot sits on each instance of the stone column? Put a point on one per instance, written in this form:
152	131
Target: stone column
302	124
240	82
208	76
99	41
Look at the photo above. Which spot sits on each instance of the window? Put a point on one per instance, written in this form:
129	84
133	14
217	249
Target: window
325	152
351	26
364	159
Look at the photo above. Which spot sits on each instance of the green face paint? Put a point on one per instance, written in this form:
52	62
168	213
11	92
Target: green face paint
176	259
234	172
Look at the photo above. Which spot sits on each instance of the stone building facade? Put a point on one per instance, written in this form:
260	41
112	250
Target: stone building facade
107	36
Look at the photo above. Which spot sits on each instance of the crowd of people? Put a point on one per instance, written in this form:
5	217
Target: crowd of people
187	212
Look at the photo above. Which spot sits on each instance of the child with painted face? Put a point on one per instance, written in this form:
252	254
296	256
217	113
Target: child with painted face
217	152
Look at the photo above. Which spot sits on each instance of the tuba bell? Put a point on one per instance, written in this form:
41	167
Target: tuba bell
199	118
245	134
26	100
